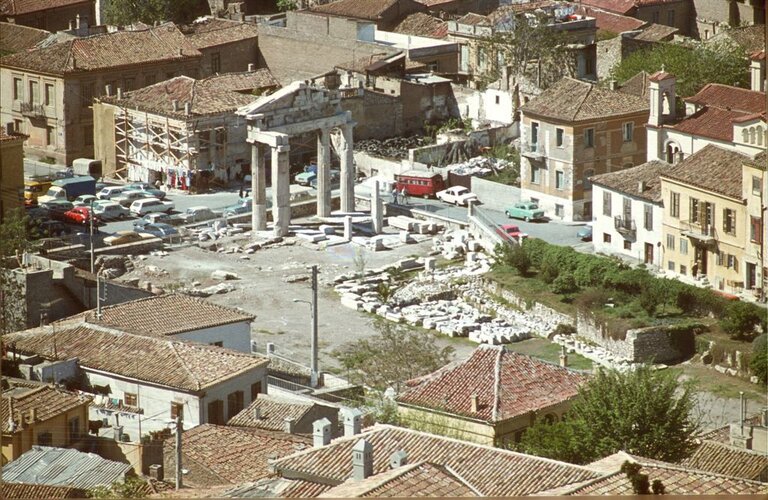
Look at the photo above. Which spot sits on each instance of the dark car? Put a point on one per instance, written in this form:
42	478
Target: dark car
57	208
49	228
160	230
585	233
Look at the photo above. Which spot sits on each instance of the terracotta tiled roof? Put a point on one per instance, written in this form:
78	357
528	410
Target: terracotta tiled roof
711	122
572	100
111	50
618	6
19	7
415	480
5	136
278	487
628	181
711	168
723	434
183	365
359	9
727	97
168	314
474	19
637	85
47	401
750	38
422	24
273	413
492	471
758	55
24	491
507	384
212	32
728	460
656	33
610	21
236	454
15	37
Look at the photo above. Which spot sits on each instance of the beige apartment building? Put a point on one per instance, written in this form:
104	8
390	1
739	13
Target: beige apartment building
569	133
47	92
712	224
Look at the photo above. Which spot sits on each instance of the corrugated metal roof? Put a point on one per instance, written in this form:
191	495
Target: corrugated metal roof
63	467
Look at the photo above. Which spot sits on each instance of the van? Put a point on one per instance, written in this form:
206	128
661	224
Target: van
69	188
87	166
420	183
33	189
108	192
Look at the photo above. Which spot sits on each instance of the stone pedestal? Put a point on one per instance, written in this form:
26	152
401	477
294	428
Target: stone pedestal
323	174
429	264
281	193
258	190
348	228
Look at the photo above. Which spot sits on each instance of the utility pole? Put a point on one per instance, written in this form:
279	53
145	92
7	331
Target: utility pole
314	374
90	217
98	297
178	452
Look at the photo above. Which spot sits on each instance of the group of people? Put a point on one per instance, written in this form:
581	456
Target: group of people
403	196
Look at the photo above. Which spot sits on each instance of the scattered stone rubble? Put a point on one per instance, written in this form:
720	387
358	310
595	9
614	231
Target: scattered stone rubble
395	147
479	166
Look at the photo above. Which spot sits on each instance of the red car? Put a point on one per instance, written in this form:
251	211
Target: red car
511	231
79	215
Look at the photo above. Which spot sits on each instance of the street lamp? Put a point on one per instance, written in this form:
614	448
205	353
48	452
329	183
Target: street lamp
90	217
314	373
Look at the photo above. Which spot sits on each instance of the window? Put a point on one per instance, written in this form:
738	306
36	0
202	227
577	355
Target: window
627	245
50	138
559	179
589	64
50	96
219	343
606	238
627	210
729	221
589	138
535	175
674	204
17	126
733	263
129	84
88	93
683	270
433	66
177	410
629	129
694	210
216	62
671	266
534	133
559	210
88	135
18	89
756	188
670	18
74	428
45	439
606	203
559	137
130	399
216	412
756	229
255	391
683	246
648	217
234	403
498	99
670	242
34	93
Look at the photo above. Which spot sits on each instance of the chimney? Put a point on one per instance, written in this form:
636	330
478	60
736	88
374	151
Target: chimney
474	403
678	157
289	425
353	419
175	104
71	25
108	90
398	459
612	84
251	67
119	433
505	78
77	22
156	472
119	92
32	415
764	417
321	432
564	357
640	186
362	460
187	108
257	413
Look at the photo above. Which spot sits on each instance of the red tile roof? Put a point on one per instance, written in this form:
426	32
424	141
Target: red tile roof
186	366
627	181
720	458
713	123
492	471
730	98
212	32
236	454
610	21
422	479
273	413
711	168
723	434
15	37
422	24
25	491
47	401
15	136
617	6
507	385
111	50
360	9
20	7
278	487
657	33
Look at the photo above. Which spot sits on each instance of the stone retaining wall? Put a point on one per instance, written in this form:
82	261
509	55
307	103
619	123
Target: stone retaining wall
536	309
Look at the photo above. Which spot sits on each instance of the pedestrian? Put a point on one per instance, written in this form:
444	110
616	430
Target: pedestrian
404	196
695	269
158	184
394	195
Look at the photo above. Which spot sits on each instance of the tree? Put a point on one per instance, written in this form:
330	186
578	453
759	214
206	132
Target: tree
758	362
693	67
643	412
13	242
122	12
392	356
130	488
741	318
285	5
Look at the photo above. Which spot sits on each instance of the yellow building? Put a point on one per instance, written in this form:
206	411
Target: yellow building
490	398
712	224
33	413
11	171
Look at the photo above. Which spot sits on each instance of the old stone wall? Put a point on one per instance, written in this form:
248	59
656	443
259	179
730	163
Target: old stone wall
494	195
377	115
536	309
608	56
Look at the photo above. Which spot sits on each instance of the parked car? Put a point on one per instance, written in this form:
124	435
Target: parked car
147	205
57	208
585	233
197	214
511	231
526	210
110	211
242	206
160	230
46	228
109	192
69	188
84	200
335	180
127	197
79	215
304	178
458	195
152	218
147	187
125	237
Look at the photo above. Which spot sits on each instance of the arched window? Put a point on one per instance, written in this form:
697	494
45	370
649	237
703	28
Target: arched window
752	135
745	135
760	134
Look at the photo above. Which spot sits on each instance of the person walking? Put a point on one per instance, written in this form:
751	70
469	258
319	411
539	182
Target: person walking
394	195
404	196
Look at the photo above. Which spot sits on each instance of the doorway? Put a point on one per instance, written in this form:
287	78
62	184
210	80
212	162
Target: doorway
700	263
648	254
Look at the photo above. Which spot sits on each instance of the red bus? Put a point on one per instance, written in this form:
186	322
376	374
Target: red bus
420	183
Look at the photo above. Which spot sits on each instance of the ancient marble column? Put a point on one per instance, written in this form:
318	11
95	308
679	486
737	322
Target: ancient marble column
323	173
281	192
258	189
347	170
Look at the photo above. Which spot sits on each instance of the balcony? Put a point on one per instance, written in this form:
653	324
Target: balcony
625	227
704	233
31	110
534	151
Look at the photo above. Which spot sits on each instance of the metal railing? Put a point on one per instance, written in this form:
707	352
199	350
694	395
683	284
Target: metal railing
624	225
704	232
33	110
533	149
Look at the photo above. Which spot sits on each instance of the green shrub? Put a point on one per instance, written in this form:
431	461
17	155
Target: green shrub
535	248
518	258
564	329
564	283
758	363
741	319
590	270
592	298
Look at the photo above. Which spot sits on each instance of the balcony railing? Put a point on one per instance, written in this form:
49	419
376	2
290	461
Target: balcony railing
705	233
625	227
32	110
533	150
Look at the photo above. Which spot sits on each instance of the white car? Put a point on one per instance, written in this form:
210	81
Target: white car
147	205
110	211
108	192
458	195
84	200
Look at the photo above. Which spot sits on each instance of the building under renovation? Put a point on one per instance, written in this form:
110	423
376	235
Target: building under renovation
182	132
